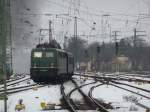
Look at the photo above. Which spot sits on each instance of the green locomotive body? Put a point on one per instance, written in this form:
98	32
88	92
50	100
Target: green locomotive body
51	65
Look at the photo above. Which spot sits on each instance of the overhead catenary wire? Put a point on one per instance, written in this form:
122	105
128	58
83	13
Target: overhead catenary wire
98	14
108	12
91	13
112	18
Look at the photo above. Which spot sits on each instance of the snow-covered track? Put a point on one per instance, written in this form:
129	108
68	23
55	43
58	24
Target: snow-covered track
145	90
21	89
129	90
15	88
18	78
89	99
102	107
90	104
86	97
67	100
16	82
115	78
72	106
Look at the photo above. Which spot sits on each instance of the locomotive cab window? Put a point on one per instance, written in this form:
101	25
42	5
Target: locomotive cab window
37	54
49	54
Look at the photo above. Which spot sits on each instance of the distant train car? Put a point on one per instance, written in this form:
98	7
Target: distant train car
51	65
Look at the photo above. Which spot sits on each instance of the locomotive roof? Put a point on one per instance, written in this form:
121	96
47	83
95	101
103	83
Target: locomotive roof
51	44
47	49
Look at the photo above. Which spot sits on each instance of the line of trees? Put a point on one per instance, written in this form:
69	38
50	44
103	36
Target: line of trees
102	54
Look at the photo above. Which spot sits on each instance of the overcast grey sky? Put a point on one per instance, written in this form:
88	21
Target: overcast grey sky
28	16
124	15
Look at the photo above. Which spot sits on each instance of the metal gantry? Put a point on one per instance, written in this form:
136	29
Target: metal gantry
5	37
5	45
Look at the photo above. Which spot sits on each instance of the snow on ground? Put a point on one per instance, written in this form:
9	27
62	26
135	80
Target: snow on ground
32	98
51	94
115	96
75	95
144	101
21	84
12	82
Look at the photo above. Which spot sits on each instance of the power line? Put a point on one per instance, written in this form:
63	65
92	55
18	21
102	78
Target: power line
94	14
108	12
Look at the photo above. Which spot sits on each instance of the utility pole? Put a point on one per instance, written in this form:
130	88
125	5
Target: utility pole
116	43
5	90
137	35
5	45
65	42
135	39
104	19
75	27
116	49
98	49
9	40
50	31
75	37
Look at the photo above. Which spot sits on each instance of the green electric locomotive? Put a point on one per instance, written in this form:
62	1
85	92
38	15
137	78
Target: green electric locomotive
51	65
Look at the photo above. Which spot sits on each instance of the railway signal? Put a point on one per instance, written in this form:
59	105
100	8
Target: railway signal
98	49
117	48
116	42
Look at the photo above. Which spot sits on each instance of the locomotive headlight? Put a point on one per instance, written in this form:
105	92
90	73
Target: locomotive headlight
52	64
34	65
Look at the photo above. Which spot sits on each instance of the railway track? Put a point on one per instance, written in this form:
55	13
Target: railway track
21	89
15	82
67	100
87	100
113	82
101	104
18	78
130	76
73	107
137	103
115	78
15	88
120	83
129	90
141	72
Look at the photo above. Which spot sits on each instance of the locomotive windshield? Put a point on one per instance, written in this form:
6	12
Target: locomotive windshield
37	54
43	54
49	54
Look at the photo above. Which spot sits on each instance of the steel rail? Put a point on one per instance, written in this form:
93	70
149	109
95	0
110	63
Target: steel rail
18	88
89	99
91	104
131	86
66	99
15	82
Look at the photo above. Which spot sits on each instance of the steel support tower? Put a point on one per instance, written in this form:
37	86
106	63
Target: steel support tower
5	45
5	38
